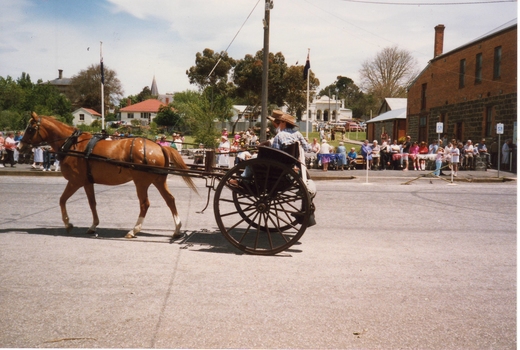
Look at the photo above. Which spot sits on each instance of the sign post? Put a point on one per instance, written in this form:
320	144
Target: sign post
440	126
500	131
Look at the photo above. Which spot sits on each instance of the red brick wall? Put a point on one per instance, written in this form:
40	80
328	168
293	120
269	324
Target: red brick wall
465	108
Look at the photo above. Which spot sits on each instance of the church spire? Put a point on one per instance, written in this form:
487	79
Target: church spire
153	88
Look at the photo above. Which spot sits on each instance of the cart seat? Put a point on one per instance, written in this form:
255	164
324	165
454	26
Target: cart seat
288	156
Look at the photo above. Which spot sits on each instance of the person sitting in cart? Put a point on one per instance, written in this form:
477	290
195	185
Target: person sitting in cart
286	135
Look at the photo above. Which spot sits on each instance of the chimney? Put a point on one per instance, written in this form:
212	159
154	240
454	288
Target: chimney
60	73
128	102
439	40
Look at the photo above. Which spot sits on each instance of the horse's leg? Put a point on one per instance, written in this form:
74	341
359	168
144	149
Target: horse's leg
70	189
144	204
89	190
161	185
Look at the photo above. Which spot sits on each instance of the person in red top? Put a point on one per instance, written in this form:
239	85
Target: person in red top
423	149
10	145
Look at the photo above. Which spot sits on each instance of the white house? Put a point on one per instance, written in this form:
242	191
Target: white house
85	116
144	111
326	109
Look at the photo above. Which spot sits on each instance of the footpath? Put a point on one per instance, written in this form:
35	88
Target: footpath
491	175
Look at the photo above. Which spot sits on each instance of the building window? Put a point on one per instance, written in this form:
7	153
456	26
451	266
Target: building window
478	68
423	96
145	115
462	73
488	128
130	115
497	62
82	117
423	130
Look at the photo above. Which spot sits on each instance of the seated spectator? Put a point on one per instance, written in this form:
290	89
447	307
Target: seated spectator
366	152
423	149
468	154
385	155
414	151
341	151
352	158
315	146
394	149
482	150
376	155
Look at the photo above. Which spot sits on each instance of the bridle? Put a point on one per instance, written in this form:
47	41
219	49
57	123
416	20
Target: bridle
29	132
34	128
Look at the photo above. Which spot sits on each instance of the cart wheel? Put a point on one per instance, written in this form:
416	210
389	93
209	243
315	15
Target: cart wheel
268	212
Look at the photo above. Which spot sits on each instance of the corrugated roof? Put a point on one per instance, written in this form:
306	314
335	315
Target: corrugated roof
148	106
390	115
396	103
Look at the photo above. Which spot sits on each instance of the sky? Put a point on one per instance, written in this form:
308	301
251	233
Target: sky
146	38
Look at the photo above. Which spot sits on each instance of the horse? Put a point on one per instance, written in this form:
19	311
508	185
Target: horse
86	159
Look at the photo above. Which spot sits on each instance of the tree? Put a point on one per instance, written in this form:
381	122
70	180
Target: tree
296	97
206	63
248	78
200	111
345	89
167	116
86	88
389	73
144	95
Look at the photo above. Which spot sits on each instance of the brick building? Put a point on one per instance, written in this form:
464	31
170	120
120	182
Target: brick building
469	89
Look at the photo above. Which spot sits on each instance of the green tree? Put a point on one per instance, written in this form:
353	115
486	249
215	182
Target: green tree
206	71
296	98
200	111
86	88
167	116
248	79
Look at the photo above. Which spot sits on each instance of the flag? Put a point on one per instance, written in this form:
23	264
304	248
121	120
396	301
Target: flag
306	68
102	72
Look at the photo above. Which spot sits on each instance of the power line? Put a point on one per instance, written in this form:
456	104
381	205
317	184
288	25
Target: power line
430	3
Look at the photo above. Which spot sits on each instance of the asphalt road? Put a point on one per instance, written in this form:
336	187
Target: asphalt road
429	265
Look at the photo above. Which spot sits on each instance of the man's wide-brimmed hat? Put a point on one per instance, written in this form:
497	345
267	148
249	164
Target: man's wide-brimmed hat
284	117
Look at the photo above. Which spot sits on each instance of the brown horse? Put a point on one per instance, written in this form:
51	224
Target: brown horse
108	162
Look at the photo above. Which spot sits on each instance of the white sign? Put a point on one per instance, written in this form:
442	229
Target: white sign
439	127
500	129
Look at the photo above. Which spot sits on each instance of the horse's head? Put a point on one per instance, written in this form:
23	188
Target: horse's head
32	135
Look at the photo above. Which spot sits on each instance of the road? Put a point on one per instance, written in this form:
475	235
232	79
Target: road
388	266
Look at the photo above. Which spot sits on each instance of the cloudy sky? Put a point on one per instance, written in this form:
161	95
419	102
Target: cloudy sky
143	38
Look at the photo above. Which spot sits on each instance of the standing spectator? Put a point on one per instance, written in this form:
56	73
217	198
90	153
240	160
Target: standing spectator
455	155
438	161
322	134
341	151
47	158
493	150
2	149
223	149
9	145
38	158
394	149
17	138
432	149
506	151
406	151
162	141
178	142
325	155
225	132
366	152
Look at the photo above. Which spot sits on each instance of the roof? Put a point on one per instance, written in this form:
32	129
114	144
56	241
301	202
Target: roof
90	111
148	106
390	115
396	103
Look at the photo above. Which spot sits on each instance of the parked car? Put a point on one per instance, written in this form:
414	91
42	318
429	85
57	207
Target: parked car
338	126
353	126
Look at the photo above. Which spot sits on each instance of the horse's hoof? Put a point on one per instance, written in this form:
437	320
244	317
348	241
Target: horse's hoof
177	236
130	235
69	228
91	232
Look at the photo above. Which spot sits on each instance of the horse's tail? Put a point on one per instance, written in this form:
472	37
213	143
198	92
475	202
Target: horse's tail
173	157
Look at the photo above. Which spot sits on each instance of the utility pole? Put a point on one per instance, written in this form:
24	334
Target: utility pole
265	72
